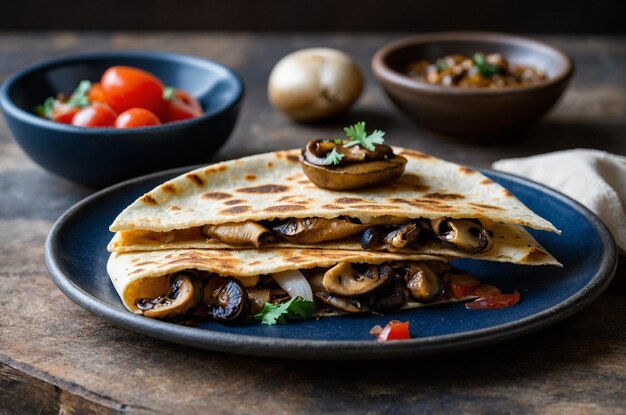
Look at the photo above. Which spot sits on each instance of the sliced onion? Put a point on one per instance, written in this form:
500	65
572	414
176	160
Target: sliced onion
294	283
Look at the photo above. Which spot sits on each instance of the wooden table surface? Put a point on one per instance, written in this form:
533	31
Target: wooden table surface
56	357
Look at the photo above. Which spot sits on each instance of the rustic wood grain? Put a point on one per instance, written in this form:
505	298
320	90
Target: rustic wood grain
56	357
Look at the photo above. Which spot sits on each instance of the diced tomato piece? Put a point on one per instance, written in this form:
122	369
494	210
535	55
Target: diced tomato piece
395	330
485	290
461	285
494	301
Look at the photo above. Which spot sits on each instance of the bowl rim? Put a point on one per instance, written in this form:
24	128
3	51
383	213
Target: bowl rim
384	72
28	117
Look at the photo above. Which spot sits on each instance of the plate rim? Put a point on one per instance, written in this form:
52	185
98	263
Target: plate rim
331	349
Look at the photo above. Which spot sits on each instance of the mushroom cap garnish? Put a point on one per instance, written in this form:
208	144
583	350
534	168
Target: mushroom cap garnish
463	234
344	280
423	283
359	167
391	299
225	299
313	230
349	305
248	232
316	150
184	297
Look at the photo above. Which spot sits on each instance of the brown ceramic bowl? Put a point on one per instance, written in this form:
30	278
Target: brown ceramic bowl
471	112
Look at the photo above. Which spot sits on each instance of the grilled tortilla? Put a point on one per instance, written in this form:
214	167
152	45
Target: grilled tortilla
142	277
264	200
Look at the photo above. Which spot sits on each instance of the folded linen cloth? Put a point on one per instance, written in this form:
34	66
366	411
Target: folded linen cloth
594	178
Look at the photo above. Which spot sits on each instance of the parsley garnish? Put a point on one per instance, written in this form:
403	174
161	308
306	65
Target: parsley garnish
441	64
45	109
279	313
79	97
486	69
168	93
333	158
357	135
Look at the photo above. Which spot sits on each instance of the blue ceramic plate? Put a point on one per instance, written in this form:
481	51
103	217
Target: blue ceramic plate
76	258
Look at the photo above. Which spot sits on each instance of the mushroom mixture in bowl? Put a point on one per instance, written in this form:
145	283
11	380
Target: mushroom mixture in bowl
480	70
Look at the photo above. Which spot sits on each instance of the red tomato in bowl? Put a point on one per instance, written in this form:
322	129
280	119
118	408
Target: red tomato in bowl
63	113
136	117
96	93
95	115
181	105
125	87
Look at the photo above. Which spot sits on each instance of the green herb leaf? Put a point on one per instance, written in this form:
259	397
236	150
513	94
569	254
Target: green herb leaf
357	135
486	69
168	93
338	140
79	97
45	110
441	64
279	313
333	158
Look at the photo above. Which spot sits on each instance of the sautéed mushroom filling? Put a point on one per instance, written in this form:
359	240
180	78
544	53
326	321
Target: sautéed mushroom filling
341	289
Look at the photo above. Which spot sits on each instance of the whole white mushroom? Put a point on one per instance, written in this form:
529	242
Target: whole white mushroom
316	83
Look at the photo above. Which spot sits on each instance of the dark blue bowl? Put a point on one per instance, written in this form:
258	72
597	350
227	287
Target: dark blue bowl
101	156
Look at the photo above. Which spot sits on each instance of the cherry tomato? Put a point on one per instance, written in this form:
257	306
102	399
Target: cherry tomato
136	117
494	301
95	115
181	105
125	88
461	285
96	93
63	113
395	330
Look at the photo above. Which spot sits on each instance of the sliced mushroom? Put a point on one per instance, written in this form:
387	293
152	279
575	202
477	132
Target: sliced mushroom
356	174
403	236
393	298
345	281
258	298
238	233
370	237
423	283
349	305
463	234
313	230
184	297
225	299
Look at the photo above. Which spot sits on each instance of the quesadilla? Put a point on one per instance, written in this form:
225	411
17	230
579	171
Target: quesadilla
266	201
231	286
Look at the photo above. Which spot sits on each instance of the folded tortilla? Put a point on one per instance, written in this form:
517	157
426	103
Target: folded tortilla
272	186
138	275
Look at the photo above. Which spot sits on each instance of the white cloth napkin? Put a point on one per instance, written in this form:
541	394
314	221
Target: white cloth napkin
594	178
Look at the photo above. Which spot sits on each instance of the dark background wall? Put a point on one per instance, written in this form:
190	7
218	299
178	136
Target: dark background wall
550	16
